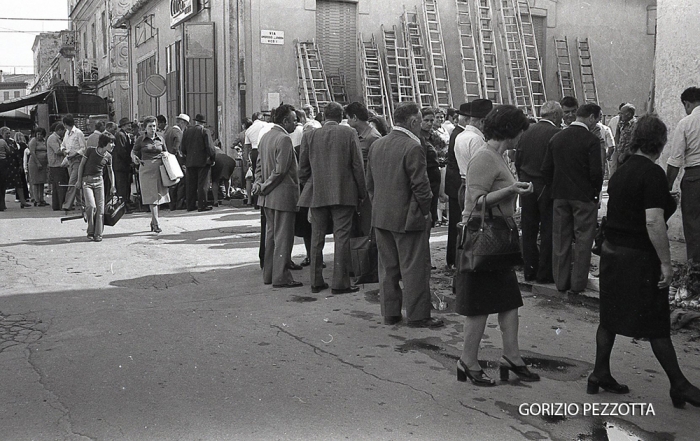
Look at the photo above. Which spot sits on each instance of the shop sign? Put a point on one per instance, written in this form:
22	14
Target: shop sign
271	37
181	10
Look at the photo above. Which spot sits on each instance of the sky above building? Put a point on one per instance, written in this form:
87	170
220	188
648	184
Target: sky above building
17	36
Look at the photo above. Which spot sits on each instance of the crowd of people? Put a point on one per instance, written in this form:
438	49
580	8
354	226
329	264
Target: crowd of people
348	178
346	172
129	167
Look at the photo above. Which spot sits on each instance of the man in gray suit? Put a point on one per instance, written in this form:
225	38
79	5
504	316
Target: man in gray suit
277	187
333	177
397	182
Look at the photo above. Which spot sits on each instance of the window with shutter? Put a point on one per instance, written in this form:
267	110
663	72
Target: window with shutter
336	37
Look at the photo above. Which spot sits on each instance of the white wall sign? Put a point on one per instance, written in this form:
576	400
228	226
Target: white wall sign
271	37
181	10
273	100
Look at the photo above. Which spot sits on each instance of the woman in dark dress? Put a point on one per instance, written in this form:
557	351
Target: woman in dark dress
492	292
635	264
11	169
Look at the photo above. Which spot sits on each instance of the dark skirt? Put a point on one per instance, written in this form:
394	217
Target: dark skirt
631	303
488	292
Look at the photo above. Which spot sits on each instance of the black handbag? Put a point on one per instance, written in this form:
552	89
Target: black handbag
488	243
114	210
599	237
365	259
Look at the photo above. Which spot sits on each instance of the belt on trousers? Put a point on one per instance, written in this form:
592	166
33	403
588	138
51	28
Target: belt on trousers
692	171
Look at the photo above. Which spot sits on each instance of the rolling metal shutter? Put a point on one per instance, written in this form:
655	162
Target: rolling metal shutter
336	36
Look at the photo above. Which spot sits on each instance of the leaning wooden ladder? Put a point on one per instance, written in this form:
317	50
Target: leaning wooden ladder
471	76
375	92
488	53
567	85
532	54
313	84
413	37
590	92
519	77
436	51
398	67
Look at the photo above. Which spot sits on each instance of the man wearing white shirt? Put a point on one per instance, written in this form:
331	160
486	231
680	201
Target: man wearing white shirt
73	146
471	140
685	151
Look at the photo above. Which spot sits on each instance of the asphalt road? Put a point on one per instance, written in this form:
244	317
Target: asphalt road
174	337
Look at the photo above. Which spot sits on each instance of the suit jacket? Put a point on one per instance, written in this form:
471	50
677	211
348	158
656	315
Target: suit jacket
121	155
397	182
173	140
330	167
276	171
452	178
531	150
573	166
197	147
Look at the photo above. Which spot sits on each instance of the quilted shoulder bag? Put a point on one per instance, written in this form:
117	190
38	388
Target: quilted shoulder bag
488	242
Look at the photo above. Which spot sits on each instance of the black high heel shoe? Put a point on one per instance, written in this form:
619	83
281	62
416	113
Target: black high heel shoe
608	384
478	378
521	371
155	228
688	393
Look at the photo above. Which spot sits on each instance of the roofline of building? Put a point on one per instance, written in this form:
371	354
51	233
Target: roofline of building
136	7
14	85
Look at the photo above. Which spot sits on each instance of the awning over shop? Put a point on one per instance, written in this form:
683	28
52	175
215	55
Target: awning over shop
23	101
14	114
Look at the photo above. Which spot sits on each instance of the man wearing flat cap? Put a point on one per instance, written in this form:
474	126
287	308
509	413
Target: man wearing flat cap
121	161
471	140
173	142
198	149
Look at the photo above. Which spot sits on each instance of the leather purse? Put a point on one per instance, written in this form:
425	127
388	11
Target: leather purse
488	242
114	210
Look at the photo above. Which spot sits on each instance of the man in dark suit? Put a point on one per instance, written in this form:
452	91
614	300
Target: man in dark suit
198	149
121	162
397	182
333	178
452	183
537	206
573	170
277	187
173	142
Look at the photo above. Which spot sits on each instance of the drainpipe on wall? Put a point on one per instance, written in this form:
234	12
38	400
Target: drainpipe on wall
240	19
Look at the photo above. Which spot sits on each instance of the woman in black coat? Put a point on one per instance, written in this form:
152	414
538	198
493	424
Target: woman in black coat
635	264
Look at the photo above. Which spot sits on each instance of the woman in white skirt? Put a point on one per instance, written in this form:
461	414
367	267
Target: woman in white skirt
147	153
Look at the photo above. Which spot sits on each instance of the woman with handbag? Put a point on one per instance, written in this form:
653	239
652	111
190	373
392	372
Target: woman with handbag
483	292
90	174
147	153
635	264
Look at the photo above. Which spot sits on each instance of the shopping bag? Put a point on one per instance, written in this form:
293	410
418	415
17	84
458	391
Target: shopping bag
365	259
165	177
172	167
114	210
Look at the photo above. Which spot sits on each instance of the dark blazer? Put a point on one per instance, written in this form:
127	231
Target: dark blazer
121	155
573	166
197	147
531	150
330	167
397	182
452	178
276	171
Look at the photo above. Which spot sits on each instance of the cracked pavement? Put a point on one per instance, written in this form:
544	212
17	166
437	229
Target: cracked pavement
174	337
